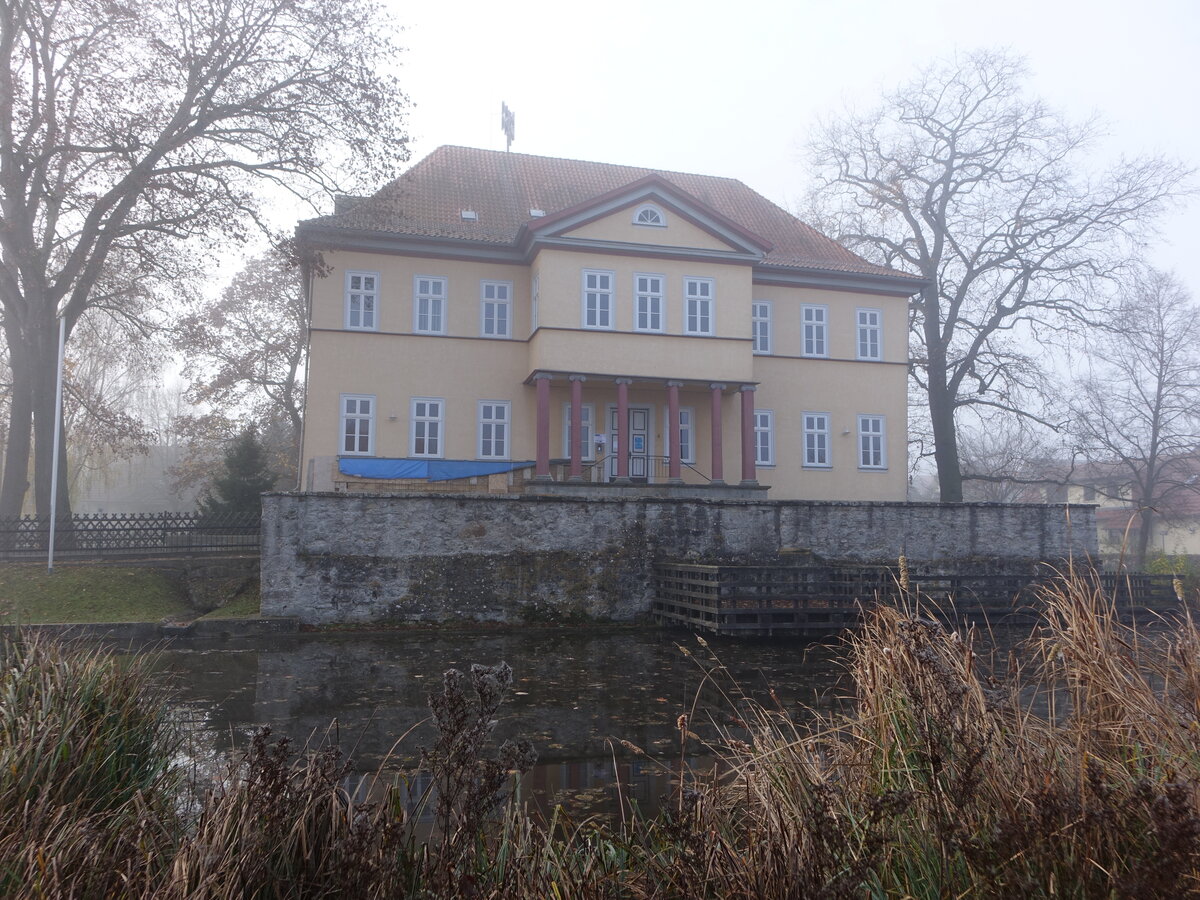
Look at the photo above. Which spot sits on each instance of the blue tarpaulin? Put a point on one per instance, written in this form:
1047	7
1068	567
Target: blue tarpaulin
429	469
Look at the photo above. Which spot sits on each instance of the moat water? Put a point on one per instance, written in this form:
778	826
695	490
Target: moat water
577	694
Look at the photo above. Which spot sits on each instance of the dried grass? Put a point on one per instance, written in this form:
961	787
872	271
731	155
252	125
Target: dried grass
1074	773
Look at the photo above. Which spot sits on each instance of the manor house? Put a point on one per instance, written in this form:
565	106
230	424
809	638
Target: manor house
506	323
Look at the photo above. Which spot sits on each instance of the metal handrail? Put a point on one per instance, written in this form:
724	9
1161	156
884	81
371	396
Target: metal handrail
658	467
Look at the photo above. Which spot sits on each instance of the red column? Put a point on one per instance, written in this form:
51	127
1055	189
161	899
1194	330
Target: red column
673	468
619	436
749	475
718	457
542	470
576	471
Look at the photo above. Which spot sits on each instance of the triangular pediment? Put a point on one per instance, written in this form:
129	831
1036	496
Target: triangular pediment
647	213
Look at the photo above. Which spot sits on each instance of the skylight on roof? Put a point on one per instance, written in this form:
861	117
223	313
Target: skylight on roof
469	215
537	213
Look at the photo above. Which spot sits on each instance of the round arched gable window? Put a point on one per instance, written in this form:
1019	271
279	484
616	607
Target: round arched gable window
649	214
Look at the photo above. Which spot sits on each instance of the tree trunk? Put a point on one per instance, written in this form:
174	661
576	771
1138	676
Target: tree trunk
941	404
1141	545
16	451
45	394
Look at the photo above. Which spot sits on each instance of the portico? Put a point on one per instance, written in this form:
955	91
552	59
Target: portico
610	422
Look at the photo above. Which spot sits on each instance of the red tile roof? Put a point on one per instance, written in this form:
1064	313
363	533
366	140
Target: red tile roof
501	188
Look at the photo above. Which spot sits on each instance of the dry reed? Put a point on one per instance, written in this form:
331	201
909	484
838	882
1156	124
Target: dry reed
1072	771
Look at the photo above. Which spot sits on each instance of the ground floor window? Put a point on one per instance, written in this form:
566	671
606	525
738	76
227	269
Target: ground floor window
493	429
358	424
764	437
687	443
871	447
816	439
588	419
428	416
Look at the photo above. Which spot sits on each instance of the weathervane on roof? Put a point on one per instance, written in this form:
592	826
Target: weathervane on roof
508	124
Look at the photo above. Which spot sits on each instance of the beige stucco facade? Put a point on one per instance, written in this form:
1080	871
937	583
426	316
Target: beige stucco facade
392	367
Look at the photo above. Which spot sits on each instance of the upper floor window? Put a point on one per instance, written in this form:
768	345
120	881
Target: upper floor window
495	312
428	416
872	450
761	325
597	299
493	429
587	415
815	326
534	290
870	333
362	300
764	437
649	215
687	444
358	424
698	305
816	439
429	305
648	302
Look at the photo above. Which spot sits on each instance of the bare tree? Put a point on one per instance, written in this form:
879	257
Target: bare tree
127	126
1136	417
1013	461
245	350
962	179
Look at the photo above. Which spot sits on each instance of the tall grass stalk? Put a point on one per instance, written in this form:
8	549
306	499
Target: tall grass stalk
1073	771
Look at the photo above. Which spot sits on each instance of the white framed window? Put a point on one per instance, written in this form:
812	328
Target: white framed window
698	295
872	448
494	416
428	422
649	214
816	440
429	304
870	333
362	301
687	433
587	418
534	290
357	425
761	326
648	303
597	299
764	437
495	309
814	322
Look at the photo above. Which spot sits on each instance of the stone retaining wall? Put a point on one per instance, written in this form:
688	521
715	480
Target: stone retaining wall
330	558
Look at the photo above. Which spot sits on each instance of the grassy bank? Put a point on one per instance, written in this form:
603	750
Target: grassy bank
88	593
92	593
1075	773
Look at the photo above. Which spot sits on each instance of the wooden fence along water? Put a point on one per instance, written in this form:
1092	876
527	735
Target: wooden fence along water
129	534
813	600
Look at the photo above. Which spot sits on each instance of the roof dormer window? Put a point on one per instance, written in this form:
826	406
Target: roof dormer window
649	215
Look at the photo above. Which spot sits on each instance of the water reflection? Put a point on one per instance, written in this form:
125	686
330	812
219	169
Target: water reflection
576	693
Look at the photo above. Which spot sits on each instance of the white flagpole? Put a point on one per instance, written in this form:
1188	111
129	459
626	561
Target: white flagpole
62	341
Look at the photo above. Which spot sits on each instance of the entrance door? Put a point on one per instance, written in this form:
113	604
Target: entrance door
637	432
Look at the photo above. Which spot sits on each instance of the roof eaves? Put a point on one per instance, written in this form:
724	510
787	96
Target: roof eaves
895	283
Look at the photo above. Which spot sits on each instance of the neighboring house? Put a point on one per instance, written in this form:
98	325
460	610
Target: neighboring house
481	310
1173	520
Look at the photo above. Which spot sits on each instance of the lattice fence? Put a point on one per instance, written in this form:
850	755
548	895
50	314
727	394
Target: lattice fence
105	534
